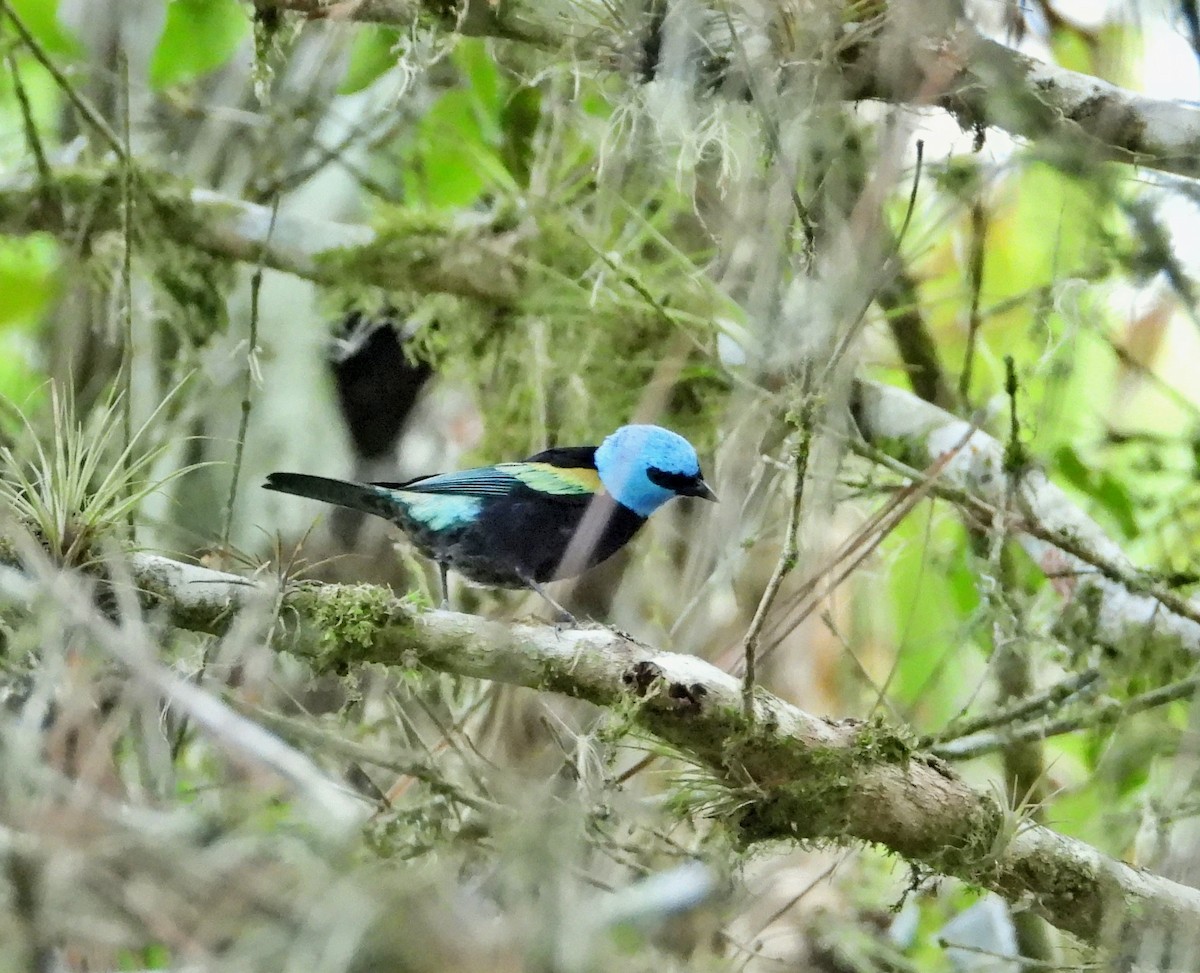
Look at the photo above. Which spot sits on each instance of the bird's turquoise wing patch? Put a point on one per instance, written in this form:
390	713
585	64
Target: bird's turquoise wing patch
555	480
485	481
439	511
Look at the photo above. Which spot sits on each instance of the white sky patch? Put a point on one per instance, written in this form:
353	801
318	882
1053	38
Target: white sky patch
1092	14
1169	68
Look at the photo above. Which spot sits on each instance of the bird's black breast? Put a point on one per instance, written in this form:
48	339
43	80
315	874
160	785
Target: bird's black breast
526	535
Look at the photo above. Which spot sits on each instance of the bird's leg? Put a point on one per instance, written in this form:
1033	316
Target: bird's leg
444	572
562	614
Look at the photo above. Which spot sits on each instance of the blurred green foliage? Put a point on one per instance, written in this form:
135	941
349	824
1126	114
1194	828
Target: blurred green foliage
29	281
372	54
41	17
462	143
617	258
199	36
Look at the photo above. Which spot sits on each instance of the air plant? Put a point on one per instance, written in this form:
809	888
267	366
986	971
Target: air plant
84	484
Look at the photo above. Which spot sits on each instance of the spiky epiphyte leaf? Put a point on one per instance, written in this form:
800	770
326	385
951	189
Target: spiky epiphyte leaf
85	482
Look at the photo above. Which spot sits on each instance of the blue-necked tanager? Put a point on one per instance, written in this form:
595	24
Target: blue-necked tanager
512	525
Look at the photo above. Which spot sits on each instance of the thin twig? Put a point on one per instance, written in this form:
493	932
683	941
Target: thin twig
32	139
127	280
406	764
1098	713
912	194
884	273
1024	763
252	349
82	105
975	283
806	422
1021	962
1019	711
870	535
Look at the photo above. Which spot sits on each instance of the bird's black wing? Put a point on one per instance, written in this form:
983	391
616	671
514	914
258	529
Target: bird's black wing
565	474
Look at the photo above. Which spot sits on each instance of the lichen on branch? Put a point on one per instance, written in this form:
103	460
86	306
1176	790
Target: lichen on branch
796	776
902	52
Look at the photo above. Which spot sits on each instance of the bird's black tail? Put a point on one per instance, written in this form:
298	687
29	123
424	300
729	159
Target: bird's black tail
356	496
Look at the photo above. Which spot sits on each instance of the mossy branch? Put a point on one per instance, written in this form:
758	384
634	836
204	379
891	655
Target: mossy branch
468	259
922	55
797	776
1109	601
540	23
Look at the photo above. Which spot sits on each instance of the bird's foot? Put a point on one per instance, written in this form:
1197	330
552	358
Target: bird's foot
564	620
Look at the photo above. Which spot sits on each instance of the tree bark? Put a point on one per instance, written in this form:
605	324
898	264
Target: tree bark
981	82
790	775
469	257
1107	599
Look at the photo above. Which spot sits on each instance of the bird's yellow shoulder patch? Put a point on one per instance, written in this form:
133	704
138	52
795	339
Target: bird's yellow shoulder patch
557	480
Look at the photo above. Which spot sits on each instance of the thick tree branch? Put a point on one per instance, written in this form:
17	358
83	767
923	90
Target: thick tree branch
981	82
1080	117
477	262
545	24
797	776
1108	599
469	259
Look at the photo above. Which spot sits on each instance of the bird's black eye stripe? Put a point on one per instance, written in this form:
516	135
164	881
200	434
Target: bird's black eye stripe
671	481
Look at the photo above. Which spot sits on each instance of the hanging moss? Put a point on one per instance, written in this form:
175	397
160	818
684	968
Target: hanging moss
424	251
558	346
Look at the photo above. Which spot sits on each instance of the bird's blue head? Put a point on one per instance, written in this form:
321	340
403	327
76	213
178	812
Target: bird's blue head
642	467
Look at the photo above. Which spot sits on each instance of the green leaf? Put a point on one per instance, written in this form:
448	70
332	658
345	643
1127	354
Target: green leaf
454	163
372	55
21	378
1114	498
933	597
199	36
1054	229
482	76
519	117
441	174
1072	52
1109	492
28	268
41	17
1071	468
475	138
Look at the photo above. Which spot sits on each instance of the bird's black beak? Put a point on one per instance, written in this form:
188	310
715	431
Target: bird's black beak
682	484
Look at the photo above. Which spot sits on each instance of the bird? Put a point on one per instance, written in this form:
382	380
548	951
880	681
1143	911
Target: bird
522	524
